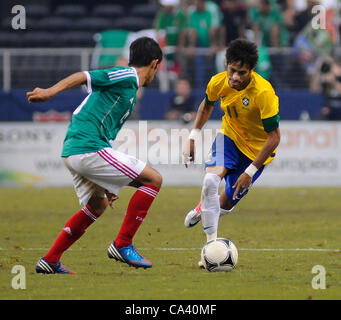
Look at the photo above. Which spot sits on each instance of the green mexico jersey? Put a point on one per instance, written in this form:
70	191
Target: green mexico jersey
101	115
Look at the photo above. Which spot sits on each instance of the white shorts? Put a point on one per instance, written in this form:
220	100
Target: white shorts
106	169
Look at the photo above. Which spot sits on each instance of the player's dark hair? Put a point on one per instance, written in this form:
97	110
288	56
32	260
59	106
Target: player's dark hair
143	51
243	51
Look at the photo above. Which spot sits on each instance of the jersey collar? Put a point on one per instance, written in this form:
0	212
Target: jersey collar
137	77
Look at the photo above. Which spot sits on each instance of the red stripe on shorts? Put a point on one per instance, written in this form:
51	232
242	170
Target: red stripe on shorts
117	164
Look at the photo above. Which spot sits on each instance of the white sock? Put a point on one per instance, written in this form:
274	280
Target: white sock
210	206
212	236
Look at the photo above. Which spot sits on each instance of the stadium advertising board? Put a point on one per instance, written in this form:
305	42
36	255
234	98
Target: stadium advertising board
309	153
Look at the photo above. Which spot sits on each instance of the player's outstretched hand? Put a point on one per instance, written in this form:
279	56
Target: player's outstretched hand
242	183
39	95
188	152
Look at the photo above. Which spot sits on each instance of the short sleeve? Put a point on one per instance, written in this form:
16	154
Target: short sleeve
269	109
211	93
99	78
108	77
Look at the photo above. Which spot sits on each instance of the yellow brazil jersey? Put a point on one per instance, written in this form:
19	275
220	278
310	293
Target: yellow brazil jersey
248	114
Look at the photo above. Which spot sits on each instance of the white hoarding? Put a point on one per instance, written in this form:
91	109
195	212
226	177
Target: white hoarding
309	153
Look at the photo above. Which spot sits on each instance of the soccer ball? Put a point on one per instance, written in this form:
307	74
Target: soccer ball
219	255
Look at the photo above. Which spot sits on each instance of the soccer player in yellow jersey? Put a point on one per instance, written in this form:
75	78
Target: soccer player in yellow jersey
248	137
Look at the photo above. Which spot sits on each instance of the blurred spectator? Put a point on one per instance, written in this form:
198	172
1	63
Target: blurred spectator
107	40
200	26
303	17
264	63
310	45
216	34
201	35
267	24
173	21
234	20
327	80
182	104
121	62
288	10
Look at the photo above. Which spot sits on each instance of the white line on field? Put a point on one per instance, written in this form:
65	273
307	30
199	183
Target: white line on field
186	249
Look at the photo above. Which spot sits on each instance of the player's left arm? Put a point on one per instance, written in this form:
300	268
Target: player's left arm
270	119
269	146
41	95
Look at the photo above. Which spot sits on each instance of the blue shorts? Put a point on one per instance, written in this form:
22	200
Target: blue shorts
224	153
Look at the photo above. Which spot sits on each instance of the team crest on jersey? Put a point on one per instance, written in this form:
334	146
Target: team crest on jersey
246	101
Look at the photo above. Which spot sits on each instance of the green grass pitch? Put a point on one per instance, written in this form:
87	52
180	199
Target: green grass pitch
269	227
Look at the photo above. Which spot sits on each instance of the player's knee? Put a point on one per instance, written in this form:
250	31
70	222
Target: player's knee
226	206
98	205
157	179
148	176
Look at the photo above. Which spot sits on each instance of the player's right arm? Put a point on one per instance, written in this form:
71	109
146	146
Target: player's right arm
41	95
203	114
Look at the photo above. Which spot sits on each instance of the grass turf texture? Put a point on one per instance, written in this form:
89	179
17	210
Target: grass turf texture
273	218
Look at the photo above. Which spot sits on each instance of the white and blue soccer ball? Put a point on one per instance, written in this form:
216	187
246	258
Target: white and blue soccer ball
219	255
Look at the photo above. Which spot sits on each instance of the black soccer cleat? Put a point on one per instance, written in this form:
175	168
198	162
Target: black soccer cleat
45	267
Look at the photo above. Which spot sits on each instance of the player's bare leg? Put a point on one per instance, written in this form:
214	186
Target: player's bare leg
225	204
148	176
148	184
98	204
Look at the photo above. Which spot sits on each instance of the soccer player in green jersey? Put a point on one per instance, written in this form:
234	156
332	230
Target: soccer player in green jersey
99	171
